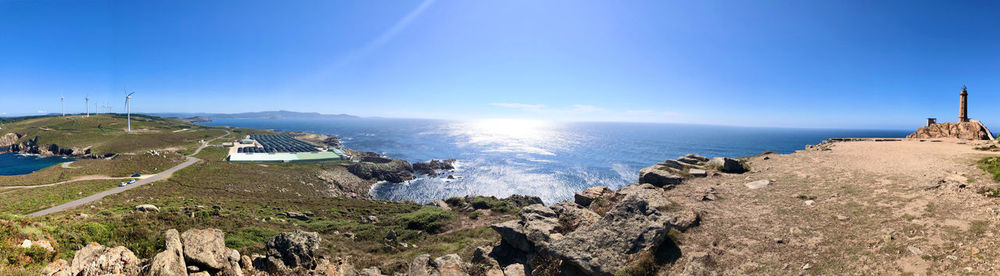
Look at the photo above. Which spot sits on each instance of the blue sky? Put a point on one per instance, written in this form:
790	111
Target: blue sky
845	64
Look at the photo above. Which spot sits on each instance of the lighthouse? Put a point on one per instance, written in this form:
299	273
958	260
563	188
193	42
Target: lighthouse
963	109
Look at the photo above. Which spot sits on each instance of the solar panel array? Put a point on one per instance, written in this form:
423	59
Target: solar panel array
279	143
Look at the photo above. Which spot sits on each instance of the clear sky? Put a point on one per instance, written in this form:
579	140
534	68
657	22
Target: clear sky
849	64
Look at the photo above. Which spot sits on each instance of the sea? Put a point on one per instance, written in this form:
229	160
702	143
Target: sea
16	164
551	160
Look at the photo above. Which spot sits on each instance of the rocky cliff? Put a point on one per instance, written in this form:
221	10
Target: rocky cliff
973	130
8	140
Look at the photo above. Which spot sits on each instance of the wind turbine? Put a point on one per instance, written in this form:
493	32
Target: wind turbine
88	105
128	110
62	105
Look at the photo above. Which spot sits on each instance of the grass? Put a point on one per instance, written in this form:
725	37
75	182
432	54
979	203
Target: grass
245	200
992	166
27	200
106	133
118	166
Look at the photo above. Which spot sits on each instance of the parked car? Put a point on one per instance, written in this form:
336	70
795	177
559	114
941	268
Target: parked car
122	185
136	175
130	181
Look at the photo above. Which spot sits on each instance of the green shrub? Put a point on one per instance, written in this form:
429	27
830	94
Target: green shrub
454	201
249	237
94	232
481	202
430	219
992	166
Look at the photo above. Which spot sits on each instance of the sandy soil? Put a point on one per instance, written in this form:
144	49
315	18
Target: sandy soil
857	208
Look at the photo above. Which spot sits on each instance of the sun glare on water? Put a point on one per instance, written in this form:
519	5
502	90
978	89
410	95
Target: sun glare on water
511	135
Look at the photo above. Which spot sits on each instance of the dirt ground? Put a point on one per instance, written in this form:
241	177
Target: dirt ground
853	208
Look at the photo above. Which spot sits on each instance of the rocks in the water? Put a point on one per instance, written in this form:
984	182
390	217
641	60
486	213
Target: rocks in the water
95	259
147	208
295	249
588	195
727	165
638	223
758	184
431	167
697	172
394	171
659	176
207	249
170	262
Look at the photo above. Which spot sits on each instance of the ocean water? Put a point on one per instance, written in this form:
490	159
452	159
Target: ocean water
15	164
551	160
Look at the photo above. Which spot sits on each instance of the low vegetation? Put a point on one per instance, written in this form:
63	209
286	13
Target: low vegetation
28	200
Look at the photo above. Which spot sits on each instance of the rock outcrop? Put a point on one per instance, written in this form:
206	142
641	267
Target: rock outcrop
8	140
727	165
431	167
207	250
972	130
294	249
588	195
659	176
394	171
170	262
95	259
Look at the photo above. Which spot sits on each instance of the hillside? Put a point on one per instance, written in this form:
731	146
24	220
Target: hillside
270	115
102	135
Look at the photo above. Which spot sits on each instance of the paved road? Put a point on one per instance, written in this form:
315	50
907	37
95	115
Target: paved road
98	196
95	197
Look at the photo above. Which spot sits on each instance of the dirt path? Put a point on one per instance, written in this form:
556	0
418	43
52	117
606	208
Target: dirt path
862	208
67	165
148	179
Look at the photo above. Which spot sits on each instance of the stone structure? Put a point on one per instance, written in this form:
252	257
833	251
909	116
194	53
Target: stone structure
963	109
965	128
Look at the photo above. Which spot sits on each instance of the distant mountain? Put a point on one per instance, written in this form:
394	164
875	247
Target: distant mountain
270	115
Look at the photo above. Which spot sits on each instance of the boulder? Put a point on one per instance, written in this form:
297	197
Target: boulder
147	208
697	172
727	165
688	161
588	195
420	266
481	256
573	216
371	271
659	176
450	265
441	204
296	215
95	259
758	184
696	157
672	164
60	267
170	262
431	167
514	270
207	250
533	231
638	223
295	249
522	200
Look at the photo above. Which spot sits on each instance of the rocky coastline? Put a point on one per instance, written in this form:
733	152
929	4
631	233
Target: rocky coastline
631	230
